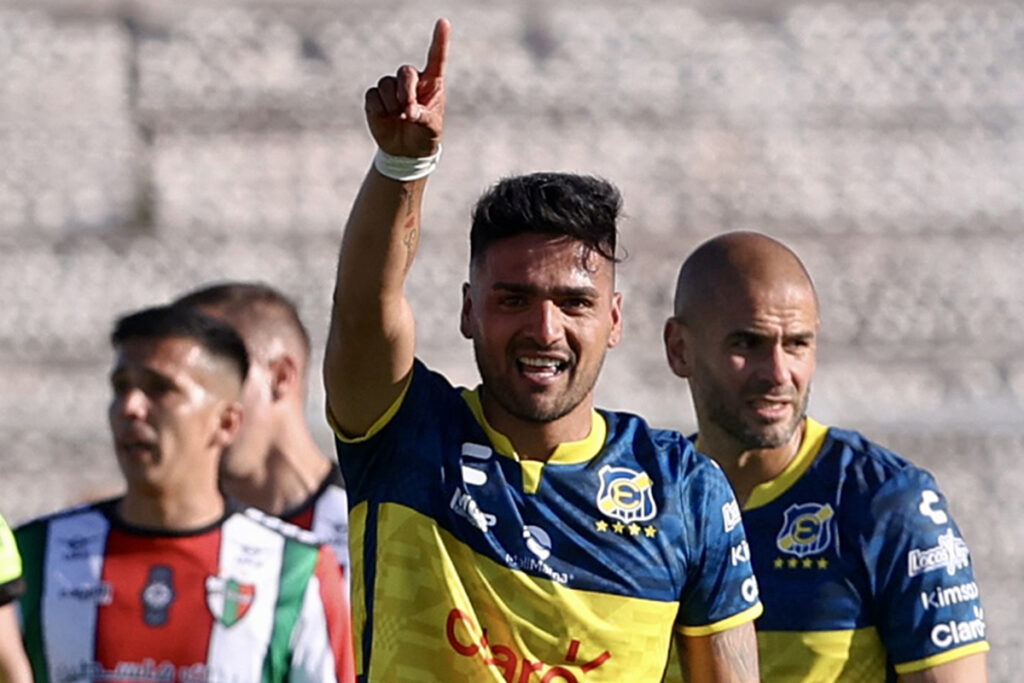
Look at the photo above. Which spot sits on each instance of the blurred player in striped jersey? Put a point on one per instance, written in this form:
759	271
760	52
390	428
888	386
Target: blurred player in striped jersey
170	582
274	464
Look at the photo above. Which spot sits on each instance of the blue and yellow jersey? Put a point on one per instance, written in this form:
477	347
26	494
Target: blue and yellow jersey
12	585
471	564
863	572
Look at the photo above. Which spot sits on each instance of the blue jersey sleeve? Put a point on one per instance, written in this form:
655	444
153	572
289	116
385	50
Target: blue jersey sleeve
720	591
928	602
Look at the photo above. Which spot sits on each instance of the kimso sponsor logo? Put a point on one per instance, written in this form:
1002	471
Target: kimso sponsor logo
950	633
946	596
467	639
950	554
739	554
465	506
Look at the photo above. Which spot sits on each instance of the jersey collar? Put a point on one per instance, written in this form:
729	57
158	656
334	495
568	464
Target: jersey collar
810	446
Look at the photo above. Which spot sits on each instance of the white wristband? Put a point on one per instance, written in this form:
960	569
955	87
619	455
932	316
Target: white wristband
405	169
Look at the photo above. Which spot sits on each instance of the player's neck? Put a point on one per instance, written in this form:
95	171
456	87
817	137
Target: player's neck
185	510
534	440
746	468
293	470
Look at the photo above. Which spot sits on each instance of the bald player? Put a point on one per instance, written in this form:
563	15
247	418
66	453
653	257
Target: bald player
274	463
864	575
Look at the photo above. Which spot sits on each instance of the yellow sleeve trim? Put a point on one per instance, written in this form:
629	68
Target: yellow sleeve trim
381	422
10	560
735	620
943	658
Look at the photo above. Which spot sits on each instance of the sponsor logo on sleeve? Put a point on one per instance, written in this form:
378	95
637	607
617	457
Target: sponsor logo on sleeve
626	495
740	554
229	600
158	595
952	633
950	554
731	515
947	596
805	529
748	589
928	499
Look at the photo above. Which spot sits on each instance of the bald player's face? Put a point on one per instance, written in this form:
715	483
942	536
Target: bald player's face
749	357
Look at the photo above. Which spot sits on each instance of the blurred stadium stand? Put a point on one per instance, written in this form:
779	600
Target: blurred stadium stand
148	147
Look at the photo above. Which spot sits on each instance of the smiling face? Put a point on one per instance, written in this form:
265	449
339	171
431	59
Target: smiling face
172	411
542	312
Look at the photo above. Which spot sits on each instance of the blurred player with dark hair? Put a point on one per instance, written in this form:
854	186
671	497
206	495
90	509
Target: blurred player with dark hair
274	463
513	532
863	572
169	582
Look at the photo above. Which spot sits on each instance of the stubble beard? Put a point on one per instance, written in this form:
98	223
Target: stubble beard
532	409
756	436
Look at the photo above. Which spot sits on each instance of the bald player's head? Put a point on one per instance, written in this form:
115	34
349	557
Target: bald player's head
733	264
744	335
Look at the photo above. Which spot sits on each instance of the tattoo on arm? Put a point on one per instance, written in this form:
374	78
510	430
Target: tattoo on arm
737	649
411	227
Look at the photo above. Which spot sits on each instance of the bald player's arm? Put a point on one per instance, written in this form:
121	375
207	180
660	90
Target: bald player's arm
971	668
728	656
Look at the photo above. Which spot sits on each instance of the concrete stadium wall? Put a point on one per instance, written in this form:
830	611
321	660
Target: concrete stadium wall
150	147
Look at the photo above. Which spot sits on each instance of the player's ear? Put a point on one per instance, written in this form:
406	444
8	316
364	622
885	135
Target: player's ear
675	346
465	326
616	333
229	423
284	376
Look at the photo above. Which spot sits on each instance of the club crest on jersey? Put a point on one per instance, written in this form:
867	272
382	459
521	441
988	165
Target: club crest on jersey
805	529
228	599
626	494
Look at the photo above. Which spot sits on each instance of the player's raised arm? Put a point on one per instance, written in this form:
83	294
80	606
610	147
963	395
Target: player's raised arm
371	343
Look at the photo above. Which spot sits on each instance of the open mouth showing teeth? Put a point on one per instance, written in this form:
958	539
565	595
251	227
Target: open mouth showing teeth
541	366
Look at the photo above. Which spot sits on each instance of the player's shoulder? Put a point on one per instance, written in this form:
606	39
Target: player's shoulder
871	465
668	449
258	520
39	523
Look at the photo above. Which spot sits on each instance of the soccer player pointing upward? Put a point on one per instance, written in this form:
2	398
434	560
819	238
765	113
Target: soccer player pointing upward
513	532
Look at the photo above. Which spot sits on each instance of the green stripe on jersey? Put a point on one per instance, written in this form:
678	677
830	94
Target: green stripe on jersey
296	569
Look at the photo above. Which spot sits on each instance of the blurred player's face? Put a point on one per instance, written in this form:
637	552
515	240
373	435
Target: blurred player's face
749	357
171	413
542	312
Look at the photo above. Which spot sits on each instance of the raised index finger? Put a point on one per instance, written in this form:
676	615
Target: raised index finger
437	56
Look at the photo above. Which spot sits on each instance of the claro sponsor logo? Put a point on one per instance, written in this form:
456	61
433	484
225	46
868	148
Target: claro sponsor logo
950	633
463	637
944	596
749	589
